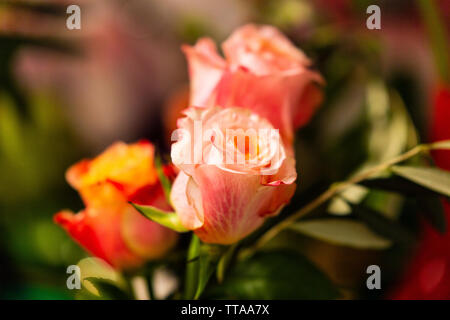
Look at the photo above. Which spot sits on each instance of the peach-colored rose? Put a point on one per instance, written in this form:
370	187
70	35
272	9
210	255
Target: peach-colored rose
109	227
262	71
229	181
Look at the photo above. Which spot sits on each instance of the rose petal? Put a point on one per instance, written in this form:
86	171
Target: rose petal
184	203
144	237
234	205
98	231
205	70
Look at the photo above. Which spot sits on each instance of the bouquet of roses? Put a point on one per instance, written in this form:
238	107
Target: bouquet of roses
232	172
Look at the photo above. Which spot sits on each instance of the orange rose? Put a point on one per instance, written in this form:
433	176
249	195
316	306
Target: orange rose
109	227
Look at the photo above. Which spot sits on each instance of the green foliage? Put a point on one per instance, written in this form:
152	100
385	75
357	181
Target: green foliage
275	275
432	178
428	202
28	145
398	185
383	226
224	262
342	232
202	260
207	262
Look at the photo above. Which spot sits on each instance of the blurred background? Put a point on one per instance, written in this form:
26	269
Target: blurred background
68	94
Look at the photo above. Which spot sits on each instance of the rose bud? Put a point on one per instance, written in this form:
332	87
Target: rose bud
234	174
109	227
262	71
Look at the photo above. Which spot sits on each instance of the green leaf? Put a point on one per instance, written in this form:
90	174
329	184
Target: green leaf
382	225
398	185
98	269
167	219
354	194
84	294
167	186
389	123
107	289
432	178
275	275
339	207
348	233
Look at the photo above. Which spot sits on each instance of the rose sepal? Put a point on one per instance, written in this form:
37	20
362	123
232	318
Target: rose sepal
167	219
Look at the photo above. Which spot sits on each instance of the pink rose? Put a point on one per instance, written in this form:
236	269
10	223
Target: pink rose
234	173
262	71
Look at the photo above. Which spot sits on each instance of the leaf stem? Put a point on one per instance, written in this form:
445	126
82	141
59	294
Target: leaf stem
332	191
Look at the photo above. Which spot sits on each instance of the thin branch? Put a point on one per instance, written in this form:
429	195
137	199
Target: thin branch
334	190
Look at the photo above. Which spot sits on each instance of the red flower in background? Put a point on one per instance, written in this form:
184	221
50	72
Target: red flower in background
428	276
441	125
109	227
